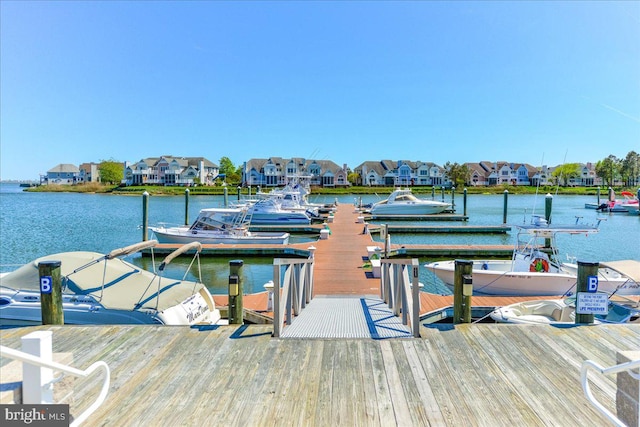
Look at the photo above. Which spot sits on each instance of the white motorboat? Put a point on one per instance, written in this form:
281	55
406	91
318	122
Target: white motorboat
294	196
559	312
269	211
403	202
106	289
219	225
531	271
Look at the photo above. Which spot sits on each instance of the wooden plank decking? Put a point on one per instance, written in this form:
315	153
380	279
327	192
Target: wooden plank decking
479	375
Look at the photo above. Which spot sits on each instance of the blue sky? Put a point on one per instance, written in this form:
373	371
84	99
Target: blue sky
534	82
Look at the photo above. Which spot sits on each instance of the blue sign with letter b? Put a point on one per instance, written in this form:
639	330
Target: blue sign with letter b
46	284
592	283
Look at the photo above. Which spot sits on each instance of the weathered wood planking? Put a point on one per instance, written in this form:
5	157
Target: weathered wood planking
484	374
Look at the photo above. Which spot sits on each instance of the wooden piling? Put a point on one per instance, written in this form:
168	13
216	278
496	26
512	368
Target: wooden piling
235	293
226	197
548	203
504	208
464	202
186	206
598	195
145	216
453	198
462	301
585	270
51	293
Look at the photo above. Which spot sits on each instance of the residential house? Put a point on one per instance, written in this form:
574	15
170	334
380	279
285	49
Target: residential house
171	171
63	173
90	172
400	173
275	171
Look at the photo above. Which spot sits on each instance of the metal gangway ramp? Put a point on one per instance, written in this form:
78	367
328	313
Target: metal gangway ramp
347	317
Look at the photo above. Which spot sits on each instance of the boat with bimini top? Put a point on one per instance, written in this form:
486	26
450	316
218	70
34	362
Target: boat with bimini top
99	289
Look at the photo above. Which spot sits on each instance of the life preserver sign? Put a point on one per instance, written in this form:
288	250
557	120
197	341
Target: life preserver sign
539	265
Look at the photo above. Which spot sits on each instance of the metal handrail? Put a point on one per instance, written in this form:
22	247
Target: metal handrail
38	361
399	288
584	378
297	289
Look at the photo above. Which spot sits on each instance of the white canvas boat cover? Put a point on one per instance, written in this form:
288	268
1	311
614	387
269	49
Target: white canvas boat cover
126	286
629	267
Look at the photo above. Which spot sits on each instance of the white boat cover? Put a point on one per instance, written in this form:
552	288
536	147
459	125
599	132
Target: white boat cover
126	286
628	267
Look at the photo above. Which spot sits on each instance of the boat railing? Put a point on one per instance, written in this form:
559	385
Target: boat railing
33	379
293	289
399	288
589	365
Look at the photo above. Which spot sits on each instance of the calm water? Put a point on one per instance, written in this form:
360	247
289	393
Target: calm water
38	224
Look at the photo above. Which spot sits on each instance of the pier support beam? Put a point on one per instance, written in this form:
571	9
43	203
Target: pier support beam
186	207
504	208
145	216
585	270
548	203
235	293
462	290
51	293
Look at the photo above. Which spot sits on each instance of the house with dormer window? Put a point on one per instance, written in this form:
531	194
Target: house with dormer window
171	171
275	171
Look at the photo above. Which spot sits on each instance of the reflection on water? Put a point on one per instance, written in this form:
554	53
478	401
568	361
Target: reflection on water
215	271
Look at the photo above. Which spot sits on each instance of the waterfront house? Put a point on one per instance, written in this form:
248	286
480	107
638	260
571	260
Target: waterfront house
171	171
63	173
400	173
275	171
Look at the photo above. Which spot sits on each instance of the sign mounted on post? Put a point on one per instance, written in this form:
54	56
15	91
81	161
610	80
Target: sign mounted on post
46	284
592	283
592	303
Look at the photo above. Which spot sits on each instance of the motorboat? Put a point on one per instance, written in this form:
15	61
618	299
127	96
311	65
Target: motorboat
269	211
536	270
403	202
629	204
294	196
219	225
106	289
560	311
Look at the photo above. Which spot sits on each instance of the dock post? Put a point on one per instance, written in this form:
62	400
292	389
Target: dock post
145	216
239	188
433	192
453	198
226	197
443	193
387	241
548	203
504	208
585	270
186	207
462	290
612	195
598	195
37	387
51	293
464	201
235	292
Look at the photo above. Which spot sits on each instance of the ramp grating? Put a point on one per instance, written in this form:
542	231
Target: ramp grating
346	317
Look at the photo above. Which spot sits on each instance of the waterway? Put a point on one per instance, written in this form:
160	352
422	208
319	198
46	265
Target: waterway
38	224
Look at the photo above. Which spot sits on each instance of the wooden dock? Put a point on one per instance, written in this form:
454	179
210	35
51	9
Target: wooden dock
479	375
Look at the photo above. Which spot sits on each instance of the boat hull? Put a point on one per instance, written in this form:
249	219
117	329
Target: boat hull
495	278
179	235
